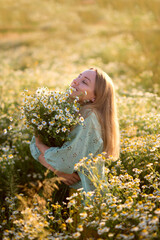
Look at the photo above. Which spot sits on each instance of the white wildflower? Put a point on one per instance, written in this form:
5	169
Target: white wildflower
83	215
40	127
76	235
33	120
44	123
69	220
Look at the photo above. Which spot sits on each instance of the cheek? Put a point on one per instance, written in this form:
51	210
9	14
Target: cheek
90	93
87	96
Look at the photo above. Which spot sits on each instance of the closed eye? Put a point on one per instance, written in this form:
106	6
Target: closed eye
84	82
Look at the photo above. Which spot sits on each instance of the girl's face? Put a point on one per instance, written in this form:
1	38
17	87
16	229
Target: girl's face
84	86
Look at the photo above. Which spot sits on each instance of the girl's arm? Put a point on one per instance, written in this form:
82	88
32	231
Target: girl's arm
40	145
68	179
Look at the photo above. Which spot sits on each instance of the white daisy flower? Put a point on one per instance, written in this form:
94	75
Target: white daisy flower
83	215
51	123
57	117
10	156
66	95
57	131
80	228
53	108
69	220
35	115
157	211
64	129
76	235
40	127
44	123
5	131
33	120
61	111
66	109
81	119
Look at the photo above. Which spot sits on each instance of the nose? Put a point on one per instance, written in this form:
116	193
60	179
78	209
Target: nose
75	82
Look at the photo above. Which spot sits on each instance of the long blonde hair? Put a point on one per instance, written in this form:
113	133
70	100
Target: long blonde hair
105	108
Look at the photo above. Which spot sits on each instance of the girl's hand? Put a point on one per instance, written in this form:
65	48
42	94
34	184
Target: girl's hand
69	179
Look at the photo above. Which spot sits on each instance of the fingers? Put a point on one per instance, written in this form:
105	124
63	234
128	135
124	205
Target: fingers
68	182
70	179
76	176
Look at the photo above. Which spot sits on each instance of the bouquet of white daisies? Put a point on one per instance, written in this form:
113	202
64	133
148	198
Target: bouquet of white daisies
51	115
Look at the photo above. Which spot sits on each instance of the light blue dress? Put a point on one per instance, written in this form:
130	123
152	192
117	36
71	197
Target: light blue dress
85	139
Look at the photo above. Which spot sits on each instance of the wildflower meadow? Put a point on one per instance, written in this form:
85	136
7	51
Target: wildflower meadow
45	45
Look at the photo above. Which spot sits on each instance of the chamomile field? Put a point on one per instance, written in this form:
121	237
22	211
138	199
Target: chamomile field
47	43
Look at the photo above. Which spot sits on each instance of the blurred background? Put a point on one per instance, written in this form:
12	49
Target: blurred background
48	42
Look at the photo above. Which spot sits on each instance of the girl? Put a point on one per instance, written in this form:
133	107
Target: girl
100	131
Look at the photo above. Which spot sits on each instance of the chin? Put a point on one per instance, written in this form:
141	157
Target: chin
73	95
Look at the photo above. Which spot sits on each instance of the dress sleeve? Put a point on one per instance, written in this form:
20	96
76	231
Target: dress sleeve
85	139
34	150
